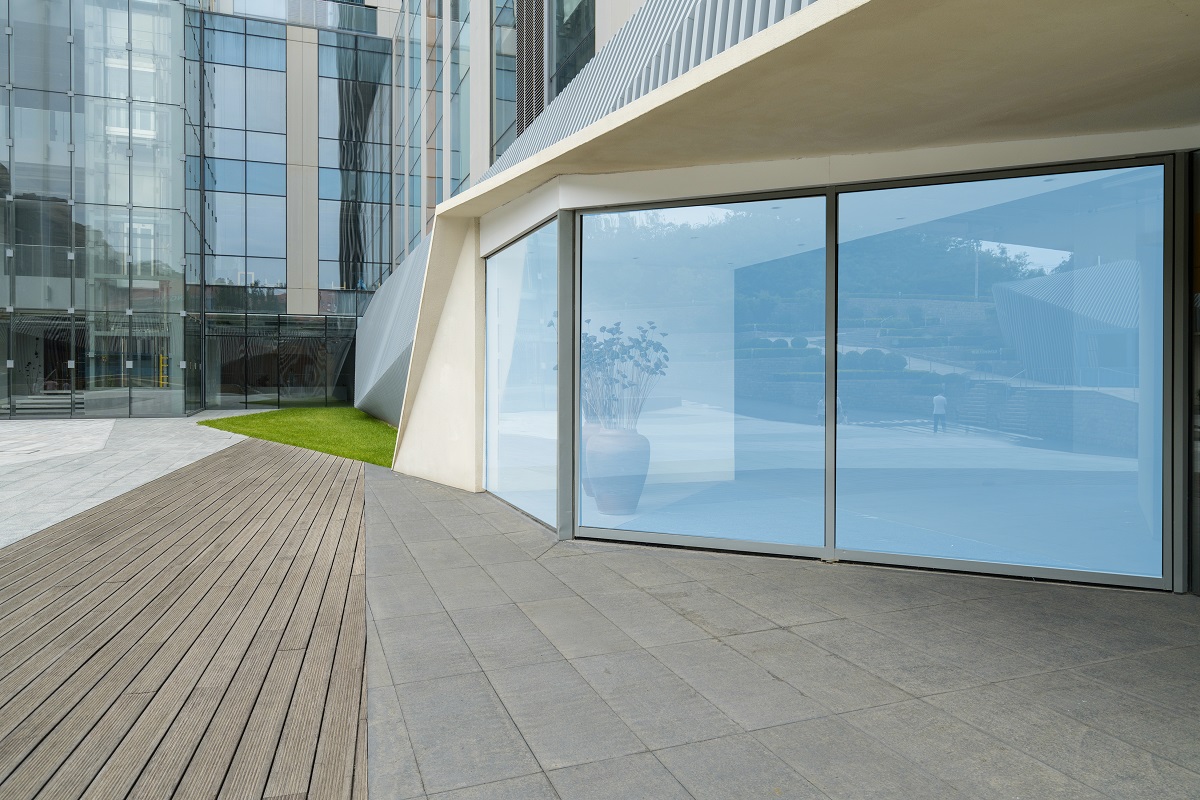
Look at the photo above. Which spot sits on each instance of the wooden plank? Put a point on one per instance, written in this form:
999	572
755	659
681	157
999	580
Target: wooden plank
245	653
62	533
217	749
187	652
53	692
78	718
195	642
125	545
98	626
293	765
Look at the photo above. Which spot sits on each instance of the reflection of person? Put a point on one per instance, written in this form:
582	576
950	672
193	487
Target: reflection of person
939	412
841	412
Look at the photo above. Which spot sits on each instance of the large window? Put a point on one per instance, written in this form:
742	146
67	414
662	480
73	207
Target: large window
702	371
522	374
1000	366
999	373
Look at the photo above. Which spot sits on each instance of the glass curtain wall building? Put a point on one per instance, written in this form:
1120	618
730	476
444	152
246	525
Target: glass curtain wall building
146	186
93	225
959	372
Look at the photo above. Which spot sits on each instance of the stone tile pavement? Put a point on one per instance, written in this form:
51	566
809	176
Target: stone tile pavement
504	664
51	470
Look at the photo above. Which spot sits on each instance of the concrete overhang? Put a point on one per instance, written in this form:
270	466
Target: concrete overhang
868	76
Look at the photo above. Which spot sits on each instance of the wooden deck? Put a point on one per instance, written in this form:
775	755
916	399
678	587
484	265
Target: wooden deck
201	635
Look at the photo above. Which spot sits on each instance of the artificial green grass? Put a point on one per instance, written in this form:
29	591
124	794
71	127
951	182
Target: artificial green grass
340	431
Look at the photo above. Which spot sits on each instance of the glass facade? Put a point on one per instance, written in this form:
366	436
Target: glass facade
504	77
354	233
521	452
1000	361
997	386
702	371
572	41
145	172
94	225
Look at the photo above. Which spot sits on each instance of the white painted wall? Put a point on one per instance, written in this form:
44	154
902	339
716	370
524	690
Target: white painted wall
441	430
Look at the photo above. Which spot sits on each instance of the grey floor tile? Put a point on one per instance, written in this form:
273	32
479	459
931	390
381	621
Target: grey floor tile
575	628
401	596
422	647
444	509
416	528
502	636
830	680
915	671
1067	611
391	767
642	569
526	581
978	765
561	717
533	542
1046	648
636	777
735	768
1163	731
529	787
747	693
987	659
587	575
712	611
376	665
472	527
493	549
441	554
846	764
483	503
1086	754
468	587
646	620
766	598
462	734
393	559
506	520
701	566
654	702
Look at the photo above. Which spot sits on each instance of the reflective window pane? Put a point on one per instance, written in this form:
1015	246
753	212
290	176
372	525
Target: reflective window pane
101	29
225	223
521	450
266	101
41	50
266	226
702	371
266	53
41	157
266	147
224	96
1000	367
224	175
266	178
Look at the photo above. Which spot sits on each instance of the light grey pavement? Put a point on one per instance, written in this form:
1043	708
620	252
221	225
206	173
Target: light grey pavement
51	470
504	664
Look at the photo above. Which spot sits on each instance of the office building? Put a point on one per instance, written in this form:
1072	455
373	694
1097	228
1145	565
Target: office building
848	279
897	283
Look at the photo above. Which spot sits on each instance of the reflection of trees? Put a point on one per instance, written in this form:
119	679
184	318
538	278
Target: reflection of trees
913	263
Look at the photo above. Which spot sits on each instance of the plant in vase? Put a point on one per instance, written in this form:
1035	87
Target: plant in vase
618	371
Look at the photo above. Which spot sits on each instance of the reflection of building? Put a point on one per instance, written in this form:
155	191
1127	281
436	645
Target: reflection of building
1078	327
812	207
150	239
